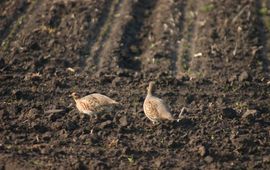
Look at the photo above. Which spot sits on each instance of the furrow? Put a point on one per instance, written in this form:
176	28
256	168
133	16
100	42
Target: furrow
12	14
210	51
104	54
67	30
188	36
160	45
263	51
100	36
133	35
205	55
113	54
85	19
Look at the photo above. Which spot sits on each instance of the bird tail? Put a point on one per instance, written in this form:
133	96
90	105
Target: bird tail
116	104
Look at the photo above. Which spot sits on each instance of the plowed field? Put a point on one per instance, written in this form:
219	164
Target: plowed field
211	57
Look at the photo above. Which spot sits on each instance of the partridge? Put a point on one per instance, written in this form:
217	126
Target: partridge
94	103
154	108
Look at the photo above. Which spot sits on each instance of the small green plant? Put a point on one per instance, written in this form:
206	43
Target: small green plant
8	146
105	30
162	141
208	7
37	162
87	142
267	24
263	11
185	60
226	88
241	106
45	28
130	159
152	45
195	74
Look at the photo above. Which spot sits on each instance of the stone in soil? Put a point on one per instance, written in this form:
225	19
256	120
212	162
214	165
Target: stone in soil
250	113
208	159
123	121
202	150
105	124
244	76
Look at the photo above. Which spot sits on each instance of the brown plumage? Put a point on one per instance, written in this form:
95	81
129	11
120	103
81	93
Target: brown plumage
93	103
154	108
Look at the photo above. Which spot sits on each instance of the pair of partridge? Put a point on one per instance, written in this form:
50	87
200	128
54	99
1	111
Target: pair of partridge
154	108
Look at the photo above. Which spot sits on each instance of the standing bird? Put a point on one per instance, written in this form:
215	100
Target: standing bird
154	107
94	103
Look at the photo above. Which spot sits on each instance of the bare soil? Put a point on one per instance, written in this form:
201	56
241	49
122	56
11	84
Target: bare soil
211	57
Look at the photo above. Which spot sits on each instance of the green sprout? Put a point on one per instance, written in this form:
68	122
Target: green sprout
208	7
130	159
263	11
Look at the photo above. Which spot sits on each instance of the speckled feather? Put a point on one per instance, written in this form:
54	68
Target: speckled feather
154	108
94	103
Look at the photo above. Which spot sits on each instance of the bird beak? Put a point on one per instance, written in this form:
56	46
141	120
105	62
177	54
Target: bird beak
72	94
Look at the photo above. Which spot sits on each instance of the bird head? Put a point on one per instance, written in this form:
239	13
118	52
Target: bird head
74	96
150	87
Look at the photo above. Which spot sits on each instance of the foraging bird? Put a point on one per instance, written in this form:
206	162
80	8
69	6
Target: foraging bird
154	107
94	103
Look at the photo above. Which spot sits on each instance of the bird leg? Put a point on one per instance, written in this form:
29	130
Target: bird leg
81	115
182	110
93	116
180	114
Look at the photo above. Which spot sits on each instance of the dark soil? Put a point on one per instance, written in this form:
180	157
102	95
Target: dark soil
210	57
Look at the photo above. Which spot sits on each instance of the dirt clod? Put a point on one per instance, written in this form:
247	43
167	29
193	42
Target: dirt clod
229	113
3	114
266	159
2	62
40	128
57	115
158	163
202	150
105	124
249	114
123	121
244	76
208	159
71	125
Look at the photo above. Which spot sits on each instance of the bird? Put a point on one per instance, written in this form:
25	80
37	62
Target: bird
93	103
154	108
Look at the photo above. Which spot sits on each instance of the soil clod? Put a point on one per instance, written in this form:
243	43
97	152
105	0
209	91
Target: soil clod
250	114
208	159
202	150
244	76
105	124
123	121
229	113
